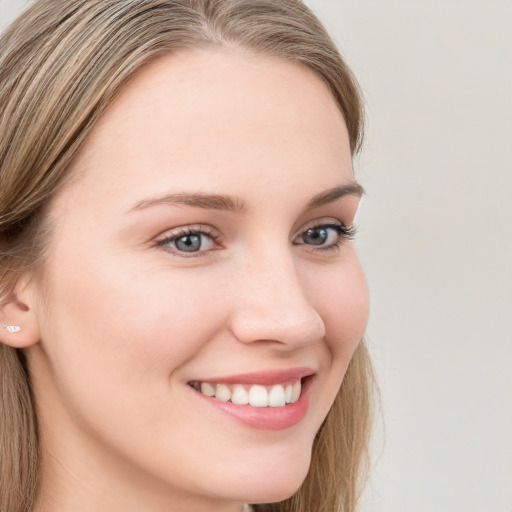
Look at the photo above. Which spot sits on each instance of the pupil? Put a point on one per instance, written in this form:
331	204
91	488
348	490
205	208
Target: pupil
188	243
316	236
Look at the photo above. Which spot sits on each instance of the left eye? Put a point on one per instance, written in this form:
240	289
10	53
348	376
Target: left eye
325	236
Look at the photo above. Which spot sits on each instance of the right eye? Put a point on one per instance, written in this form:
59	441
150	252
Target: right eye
188	241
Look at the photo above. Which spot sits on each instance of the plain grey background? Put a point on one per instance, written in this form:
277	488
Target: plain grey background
435	237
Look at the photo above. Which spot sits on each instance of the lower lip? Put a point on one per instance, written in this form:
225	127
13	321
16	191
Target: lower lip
265	418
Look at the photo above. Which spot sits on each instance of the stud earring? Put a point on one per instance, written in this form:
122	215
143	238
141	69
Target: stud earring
12	328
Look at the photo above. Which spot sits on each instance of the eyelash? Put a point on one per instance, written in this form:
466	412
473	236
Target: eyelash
344	234
189	231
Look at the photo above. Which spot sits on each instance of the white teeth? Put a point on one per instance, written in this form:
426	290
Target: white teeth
240	395
276	396
207	389
222	393
296	392
258	396
288	393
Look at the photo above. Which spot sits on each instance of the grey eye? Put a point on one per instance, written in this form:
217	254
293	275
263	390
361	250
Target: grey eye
317	236
325	236
188	243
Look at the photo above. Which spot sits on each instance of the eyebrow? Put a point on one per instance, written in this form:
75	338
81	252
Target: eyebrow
237	205
331	195
205	201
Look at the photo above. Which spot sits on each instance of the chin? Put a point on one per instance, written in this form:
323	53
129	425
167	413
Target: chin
273	481
273	492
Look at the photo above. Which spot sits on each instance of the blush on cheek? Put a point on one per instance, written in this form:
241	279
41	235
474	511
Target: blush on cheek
347	317
165	321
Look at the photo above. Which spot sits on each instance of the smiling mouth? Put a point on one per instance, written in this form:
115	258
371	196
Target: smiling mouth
255	395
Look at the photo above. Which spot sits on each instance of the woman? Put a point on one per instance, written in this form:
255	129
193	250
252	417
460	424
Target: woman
180	297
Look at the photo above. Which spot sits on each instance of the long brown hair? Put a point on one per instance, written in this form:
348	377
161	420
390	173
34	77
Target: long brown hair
62	63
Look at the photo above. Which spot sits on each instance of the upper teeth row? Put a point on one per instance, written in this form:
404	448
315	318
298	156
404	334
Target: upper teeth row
255	395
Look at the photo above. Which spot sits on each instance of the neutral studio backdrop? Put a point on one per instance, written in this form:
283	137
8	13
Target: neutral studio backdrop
435	237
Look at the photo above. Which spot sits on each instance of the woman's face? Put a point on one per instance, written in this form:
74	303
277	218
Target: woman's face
201	245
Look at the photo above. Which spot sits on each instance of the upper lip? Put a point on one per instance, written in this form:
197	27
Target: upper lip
265	377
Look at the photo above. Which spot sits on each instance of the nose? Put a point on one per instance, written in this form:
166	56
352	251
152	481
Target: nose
274	303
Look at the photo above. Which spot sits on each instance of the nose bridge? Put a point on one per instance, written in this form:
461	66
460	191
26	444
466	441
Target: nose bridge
274	303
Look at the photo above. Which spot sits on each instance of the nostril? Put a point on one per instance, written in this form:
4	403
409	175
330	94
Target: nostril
293	328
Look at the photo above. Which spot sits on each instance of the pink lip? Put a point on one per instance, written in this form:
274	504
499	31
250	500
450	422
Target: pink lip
266	378
264	418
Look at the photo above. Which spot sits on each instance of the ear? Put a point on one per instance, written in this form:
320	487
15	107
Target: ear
19	326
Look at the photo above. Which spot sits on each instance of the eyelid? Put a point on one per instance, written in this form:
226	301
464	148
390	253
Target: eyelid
327	222
344	234
187	230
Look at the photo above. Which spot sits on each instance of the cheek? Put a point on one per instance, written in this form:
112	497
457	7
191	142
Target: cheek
343	303
153	319
125	325
341	299
117	351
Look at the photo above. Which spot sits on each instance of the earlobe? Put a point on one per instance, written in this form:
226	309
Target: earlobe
13	329
18	323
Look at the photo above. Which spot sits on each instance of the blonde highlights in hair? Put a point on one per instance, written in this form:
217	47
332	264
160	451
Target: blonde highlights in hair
62	63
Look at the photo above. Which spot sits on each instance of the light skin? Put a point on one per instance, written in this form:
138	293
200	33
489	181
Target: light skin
124	319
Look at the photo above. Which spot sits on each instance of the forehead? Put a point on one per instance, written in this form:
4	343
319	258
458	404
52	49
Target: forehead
218	114
220	80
